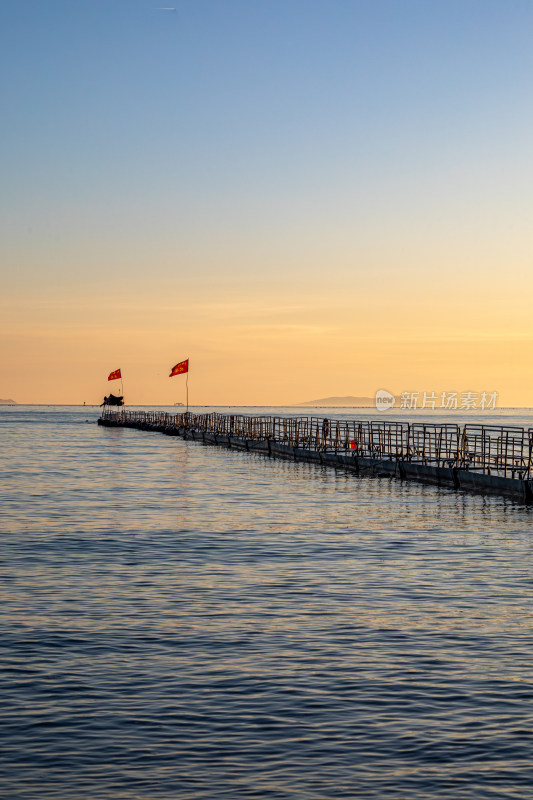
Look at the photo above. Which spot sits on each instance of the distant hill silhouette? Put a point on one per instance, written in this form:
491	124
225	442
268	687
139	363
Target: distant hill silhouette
348	402
7	402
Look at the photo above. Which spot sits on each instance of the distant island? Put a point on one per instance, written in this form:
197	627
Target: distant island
349	402
7	402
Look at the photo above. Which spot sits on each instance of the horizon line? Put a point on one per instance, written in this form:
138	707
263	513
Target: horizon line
279	405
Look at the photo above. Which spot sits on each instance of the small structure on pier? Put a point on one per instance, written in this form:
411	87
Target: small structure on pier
113	400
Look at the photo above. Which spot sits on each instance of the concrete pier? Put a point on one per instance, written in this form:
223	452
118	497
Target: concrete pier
475	458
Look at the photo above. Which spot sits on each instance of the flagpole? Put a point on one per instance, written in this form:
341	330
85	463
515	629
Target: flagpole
122	388
187	384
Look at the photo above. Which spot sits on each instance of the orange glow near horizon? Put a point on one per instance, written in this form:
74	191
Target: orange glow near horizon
274	346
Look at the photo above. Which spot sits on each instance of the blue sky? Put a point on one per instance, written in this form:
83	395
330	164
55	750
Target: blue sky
249	146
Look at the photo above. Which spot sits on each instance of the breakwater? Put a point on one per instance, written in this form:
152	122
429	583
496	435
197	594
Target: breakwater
481	458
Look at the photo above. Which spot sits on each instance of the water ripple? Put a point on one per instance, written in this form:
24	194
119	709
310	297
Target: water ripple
186	621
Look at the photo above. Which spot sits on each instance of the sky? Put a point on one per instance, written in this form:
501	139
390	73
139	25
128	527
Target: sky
304	198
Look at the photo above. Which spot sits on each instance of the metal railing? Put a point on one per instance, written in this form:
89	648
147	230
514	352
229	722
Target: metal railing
502	450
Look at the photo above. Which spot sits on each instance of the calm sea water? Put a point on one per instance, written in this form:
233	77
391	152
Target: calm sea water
182	621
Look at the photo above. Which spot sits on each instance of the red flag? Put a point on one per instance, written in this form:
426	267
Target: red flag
180	368
113	376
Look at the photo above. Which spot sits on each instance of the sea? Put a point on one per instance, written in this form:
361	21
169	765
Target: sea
181	621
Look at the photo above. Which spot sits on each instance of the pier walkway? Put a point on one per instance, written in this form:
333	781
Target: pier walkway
481	458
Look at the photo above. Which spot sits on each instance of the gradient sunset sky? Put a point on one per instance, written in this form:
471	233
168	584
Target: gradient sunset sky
305	198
